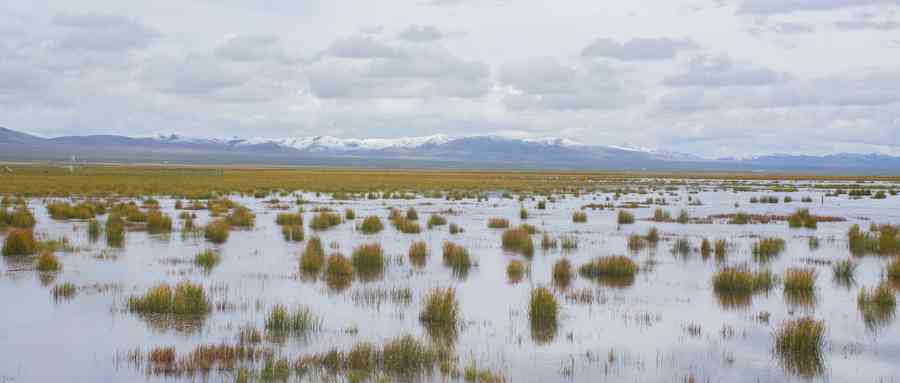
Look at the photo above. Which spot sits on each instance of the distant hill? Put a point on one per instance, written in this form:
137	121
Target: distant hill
437	151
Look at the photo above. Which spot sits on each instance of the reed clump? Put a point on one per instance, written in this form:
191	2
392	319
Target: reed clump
324	220
543	310
612	266
313	257
625	218
799	343
371	225
436	220
349	214
844	270
94	230
407	226
158	222
455	229
880	297
515	271
742	280
217	231
338	271
562	272
368	258
115	231
299	320
418	253
241	217
65	290
498	223
518	240
185	298
48	262
293	233
289	219
63	210
802	218
456	257
207	258
801	280
412	214
20	242
767	248
441	308
579	217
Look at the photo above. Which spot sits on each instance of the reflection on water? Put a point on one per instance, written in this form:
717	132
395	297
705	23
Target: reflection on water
259	269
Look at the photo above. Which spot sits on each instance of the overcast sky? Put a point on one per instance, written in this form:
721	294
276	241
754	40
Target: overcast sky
710	77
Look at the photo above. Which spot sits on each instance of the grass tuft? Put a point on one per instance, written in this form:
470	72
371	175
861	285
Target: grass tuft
562	272
418	253
293	233
800	279
298	321
612	266
579	217
313	257
371	225
368	258
20	242
456	257
185	299
217	231
518	240
498	223
207	259
625	218
48	262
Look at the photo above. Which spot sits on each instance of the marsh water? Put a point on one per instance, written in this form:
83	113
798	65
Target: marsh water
665	325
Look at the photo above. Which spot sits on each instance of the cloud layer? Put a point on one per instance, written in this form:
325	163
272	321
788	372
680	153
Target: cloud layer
714	78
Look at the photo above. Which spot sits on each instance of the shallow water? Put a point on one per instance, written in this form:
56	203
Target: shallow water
631	332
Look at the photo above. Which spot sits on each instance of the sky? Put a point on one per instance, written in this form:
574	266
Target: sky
712	78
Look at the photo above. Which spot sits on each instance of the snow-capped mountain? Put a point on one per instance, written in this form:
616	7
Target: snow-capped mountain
435	151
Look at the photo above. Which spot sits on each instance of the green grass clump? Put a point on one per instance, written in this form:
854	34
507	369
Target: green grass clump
579	217
613	266
241	217
568	242
289	219
324	220
800	279
313	257
660	215
371	225
523	214
20	242
207	259
48	262
515	270
293	233
799	343
418	253
65	290
217	231
880	297
63	210
625	218
368	258
349	214
893	269
705	248
720	249
548	242
115	231
158	222
802	218
767	248
21	218
742	280
441	308
682	247
844	270
518	240
543	309
412	214
407	356
741	218
407	226
300	320
562	272
94	230
652	236
338	271
185	299
456	257
436	220
498	223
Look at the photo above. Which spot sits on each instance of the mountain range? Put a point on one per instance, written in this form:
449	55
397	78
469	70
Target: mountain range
436	151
